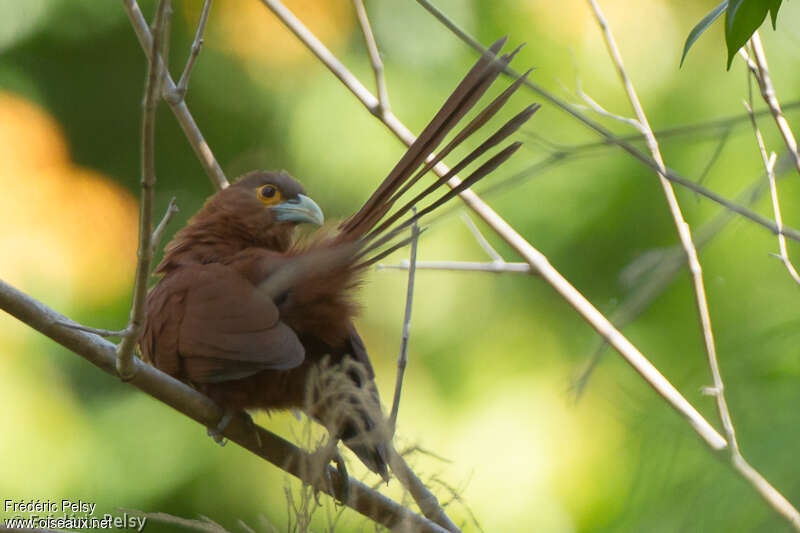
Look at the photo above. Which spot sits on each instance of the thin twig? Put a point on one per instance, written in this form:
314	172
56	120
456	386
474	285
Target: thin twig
767	492
608	136
158	233
751	65
684	232
771	98
179	93
96	331
495	267
374	57
426	501
537	260
424	498
600	110
179	109
402	359
488	248
769	165
200	408
125	366
166	40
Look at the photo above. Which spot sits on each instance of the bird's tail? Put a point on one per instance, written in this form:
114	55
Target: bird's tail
344	398
372	225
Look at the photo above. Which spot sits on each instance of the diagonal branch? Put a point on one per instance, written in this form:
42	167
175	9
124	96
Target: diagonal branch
770	97
490	251
684	232
774	498
402	359
769	165
158	233
125	366
495	267
374	57
498	265
183	83
200	408
179	109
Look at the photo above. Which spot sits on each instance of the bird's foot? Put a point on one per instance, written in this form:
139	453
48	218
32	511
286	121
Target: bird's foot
318	476
216	432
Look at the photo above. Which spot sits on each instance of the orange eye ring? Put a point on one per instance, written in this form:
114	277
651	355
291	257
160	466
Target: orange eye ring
269	194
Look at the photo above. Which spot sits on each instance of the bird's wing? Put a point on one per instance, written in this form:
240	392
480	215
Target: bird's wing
219	326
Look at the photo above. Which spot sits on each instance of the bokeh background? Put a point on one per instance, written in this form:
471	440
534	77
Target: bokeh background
493	357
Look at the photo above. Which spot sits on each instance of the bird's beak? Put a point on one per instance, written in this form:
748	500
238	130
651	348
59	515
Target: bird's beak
300	209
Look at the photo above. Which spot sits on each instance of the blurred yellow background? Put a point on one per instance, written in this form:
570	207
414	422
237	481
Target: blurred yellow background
492	357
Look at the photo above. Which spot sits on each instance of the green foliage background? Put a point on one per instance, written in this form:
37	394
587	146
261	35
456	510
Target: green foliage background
492	357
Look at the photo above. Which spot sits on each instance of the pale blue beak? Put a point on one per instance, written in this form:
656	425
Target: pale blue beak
299	210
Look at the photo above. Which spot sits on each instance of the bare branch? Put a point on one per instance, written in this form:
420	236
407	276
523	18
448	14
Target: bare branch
179	109
402	359
770	97
751	65
424	498
179	93
495	267
769	164
532	256
767	492
96	331
490	251
600	110
200	408
158	233
125	366
374	57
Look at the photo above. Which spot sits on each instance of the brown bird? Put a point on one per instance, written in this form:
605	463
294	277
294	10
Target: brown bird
247	313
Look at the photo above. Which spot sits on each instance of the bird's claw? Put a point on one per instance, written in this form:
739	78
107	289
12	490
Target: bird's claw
317	473
216	432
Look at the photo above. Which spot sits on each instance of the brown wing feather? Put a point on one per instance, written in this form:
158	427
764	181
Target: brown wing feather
159	342
213	325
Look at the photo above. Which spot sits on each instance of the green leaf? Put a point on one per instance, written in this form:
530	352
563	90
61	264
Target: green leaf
741	20
775	5
703	25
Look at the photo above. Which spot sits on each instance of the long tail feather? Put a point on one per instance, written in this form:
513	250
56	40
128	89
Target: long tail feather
487	113
471	88
497	160
507	129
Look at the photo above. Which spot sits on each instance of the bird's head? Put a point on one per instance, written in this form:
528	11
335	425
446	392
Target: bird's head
269	198
260	209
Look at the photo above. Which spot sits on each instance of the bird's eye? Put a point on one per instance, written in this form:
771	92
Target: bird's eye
269	194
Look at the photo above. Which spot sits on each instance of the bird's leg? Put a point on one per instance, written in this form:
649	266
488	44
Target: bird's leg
316	471
228	414
216	432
